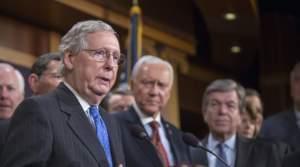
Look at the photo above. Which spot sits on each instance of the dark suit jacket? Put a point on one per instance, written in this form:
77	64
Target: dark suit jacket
292	160
53	131
139	152
250	153
4	123
282	127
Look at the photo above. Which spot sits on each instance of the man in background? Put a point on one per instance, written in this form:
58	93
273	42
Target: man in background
149	140
11	95
285	126
222	104
46	73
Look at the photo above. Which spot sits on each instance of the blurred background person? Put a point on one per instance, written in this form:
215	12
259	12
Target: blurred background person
11	94
119	99
252	117
284	126
46	73
222	105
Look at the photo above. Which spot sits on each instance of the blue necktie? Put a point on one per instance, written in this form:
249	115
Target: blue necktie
101	132
221	153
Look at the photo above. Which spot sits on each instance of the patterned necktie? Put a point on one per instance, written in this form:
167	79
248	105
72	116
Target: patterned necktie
221	153
155	139
101	132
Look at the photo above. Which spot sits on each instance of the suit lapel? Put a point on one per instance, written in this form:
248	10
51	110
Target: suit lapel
113	137
172	140
145	145
79	123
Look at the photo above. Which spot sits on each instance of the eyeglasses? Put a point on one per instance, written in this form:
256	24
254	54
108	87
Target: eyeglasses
103	54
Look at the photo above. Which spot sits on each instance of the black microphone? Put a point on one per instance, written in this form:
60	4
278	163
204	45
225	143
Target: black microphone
139	132
192	140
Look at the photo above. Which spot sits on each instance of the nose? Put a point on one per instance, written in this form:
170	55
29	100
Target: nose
109	63
223	109
154	90
3	92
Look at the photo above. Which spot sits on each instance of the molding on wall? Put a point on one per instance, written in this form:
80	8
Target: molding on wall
123	21
16	57
54	40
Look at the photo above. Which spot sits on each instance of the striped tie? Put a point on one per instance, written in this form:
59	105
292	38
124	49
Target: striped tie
155	139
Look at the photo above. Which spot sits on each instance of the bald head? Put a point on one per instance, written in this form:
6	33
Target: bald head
11	90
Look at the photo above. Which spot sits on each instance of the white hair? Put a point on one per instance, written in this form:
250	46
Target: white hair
149	59
20	78
75	39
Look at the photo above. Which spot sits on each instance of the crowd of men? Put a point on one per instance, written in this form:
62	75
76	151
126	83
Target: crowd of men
63	124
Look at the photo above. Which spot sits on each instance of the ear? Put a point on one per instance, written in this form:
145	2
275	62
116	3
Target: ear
68	60
33	81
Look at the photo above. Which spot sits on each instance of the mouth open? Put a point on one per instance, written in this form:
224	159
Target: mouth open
103	80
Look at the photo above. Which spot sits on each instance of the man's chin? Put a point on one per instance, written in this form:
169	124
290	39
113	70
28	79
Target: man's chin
100	91
150	111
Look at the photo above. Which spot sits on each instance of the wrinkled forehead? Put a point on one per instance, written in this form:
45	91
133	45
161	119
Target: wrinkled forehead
228	95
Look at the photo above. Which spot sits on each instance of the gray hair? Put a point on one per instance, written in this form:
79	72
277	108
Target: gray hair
42	62
148	59
20	78
75	39
224	85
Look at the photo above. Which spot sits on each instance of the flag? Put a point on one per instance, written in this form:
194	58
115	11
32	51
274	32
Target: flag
135	38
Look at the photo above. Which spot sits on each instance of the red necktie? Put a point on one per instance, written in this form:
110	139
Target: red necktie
155	139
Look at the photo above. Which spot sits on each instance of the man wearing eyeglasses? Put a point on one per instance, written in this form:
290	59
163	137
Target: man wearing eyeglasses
66	128
46	73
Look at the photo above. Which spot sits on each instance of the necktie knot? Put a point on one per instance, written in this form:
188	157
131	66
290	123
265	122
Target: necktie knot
221	146
154	125
94	112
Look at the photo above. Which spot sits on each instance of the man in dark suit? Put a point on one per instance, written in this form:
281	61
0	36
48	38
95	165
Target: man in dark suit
150	140
64	128
285	126
11	94
221	107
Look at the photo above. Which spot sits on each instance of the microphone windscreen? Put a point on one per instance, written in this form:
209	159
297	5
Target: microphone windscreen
190	139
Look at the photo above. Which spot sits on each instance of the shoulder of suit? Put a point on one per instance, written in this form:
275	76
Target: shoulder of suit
169	125
282	116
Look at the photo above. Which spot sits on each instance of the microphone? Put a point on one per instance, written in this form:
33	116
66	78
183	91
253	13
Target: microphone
192	140
139	132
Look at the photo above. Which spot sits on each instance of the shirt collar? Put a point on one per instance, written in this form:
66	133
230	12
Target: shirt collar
83	103
145	119
229	143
